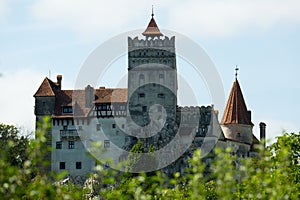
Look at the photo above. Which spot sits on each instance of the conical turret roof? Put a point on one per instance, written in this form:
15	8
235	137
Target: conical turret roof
236	110
152	29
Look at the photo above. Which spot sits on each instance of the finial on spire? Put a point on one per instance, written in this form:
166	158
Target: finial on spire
152	15
236	71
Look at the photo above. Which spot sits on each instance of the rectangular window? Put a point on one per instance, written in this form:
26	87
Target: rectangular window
98	127
113	125
62	165
123	125
80	128
59	145
67	109
161	95
144	108
161	76
78	165
106	143
71	145
122	107
65	128
141	95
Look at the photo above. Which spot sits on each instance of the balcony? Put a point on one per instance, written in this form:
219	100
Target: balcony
69	134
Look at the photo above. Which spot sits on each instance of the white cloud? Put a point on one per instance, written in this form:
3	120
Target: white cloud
222	18
92	17
201	17
17	102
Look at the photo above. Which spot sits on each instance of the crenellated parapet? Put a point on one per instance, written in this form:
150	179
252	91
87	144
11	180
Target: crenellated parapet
162	43
201	116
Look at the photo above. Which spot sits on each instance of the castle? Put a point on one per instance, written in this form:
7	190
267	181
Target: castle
147	111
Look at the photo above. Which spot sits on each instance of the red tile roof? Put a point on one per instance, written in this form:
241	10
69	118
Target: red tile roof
236	110
111	95
152	30
46	89
76	98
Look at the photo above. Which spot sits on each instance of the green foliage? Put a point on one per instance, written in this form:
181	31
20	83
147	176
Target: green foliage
13	145
22	182
273	174
138	159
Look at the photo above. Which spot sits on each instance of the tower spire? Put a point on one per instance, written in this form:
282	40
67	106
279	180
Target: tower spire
152	29
152	15
236	71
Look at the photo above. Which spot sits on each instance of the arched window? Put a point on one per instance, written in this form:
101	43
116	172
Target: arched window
141	79
161	78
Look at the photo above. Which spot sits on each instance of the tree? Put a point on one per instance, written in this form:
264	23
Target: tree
287	150
13	146
138	159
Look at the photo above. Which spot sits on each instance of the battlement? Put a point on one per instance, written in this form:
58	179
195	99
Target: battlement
163	43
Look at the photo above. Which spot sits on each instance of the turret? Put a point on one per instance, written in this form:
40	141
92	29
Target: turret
236	122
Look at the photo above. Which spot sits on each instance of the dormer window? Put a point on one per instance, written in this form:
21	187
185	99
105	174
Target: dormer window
67	109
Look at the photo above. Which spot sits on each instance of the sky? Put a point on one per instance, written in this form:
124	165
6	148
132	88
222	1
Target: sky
40	38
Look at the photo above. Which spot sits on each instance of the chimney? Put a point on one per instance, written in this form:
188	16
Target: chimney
89	96
59	78
262	130
249	115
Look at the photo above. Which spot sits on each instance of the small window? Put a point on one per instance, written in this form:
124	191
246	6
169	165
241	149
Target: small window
71	145
161	95
62	165
78	165
65	128
67	109
122	107
104	107
59	145
141	95
141	79
106	143
113	125
161	76
98	127
142	76
144	108
80	128
123	125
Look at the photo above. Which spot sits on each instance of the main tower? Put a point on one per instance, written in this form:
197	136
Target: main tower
152	81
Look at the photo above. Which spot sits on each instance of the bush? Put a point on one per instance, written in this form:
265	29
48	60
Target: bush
272	175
